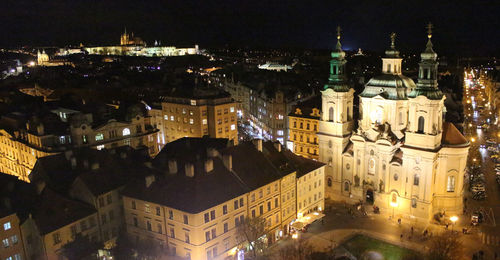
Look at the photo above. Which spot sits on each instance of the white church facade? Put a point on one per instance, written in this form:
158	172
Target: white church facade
402	156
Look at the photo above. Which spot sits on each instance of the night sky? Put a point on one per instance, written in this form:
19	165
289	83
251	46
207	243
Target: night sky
461	27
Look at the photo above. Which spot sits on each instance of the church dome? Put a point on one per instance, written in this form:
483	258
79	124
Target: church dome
390	86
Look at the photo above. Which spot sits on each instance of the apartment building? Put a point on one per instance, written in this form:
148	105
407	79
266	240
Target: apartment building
303	125
210	113
200	189
56	221
12	247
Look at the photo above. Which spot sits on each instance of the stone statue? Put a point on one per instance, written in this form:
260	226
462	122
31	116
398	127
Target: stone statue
381	186
385	135
356	180
434	129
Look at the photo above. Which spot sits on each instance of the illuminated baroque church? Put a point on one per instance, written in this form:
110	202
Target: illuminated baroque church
402	156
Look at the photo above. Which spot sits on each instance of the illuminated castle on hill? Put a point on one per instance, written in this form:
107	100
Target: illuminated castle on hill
135	46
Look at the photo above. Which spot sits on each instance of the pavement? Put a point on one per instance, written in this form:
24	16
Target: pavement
338	225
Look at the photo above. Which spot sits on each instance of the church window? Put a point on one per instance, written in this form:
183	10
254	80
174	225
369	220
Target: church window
301	125
450	186
329	182
396	176
413	202
400	119
372	152
421	124
371	166
330	144
330	114
416	179
346	186
347	166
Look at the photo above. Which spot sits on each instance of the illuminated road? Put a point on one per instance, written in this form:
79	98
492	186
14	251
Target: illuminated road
473	101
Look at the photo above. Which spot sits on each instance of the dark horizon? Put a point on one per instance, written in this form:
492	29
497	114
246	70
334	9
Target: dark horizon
460	29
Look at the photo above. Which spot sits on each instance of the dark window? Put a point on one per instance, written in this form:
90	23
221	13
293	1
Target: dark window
416	179
421	123
186	219
226	228
136	223
133	205
170	214
158	211
268	206
212	215
235	204
160	228
261	209
241	202
329	182
224	209
207	218
207	236
148	224
276	202
330	114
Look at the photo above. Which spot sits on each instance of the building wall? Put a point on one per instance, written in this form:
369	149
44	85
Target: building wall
303	135
199	119
311	192
47	246
18	156
12	244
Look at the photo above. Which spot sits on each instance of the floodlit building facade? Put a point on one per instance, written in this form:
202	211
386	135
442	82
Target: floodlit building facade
402	156
304	127
199	116
201	189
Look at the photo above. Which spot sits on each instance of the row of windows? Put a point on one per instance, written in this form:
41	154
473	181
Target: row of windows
209	216
7	242
14	257
311	200
109	200
308	126
261	192
313	140
269	207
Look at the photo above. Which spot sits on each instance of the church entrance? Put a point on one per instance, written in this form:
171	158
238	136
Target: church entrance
369	197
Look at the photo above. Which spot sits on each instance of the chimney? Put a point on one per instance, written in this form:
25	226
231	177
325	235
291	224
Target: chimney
68	154
73	163
228	161
209	165
40	129
172	166
189	169
149	180
258	144
94	166
40	186
277	145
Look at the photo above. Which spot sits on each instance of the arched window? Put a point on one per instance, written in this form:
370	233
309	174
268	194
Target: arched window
125	131
416	179
421	123
330	114
346	186
400	118
450	186
389	68
329	182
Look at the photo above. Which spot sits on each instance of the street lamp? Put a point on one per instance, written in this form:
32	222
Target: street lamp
393	205
453	220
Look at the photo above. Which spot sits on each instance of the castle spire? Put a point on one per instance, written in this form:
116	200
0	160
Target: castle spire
393	40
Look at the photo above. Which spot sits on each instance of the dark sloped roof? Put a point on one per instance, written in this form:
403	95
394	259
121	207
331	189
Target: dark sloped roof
452	137
53	211
397	157
15	196
190	194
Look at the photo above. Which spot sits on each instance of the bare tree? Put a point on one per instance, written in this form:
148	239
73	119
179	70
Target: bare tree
445	246
250	231
299	249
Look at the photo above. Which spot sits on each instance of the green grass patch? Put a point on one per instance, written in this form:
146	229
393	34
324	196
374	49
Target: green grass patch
360	244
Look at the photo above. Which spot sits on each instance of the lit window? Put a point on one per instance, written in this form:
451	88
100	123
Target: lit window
125	131
191	121
280	132
172	118
100	147
99	137
204	121
450	187
231	109
6	226
165	117
233	127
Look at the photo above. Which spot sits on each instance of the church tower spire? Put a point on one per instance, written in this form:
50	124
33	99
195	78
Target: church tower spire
337	79
426	102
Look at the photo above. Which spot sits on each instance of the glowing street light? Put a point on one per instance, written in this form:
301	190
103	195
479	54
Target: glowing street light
472	139
295	235
453	220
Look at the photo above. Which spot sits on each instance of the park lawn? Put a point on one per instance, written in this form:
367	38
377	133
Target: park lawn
359	244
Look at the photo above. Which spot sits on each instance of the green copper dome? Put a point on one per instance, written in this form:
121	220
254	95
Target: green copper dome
389	86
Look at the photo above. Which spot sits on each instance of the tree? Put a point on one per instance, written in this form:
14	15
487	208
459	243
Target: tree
298	250
251	230
81	248
445	246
